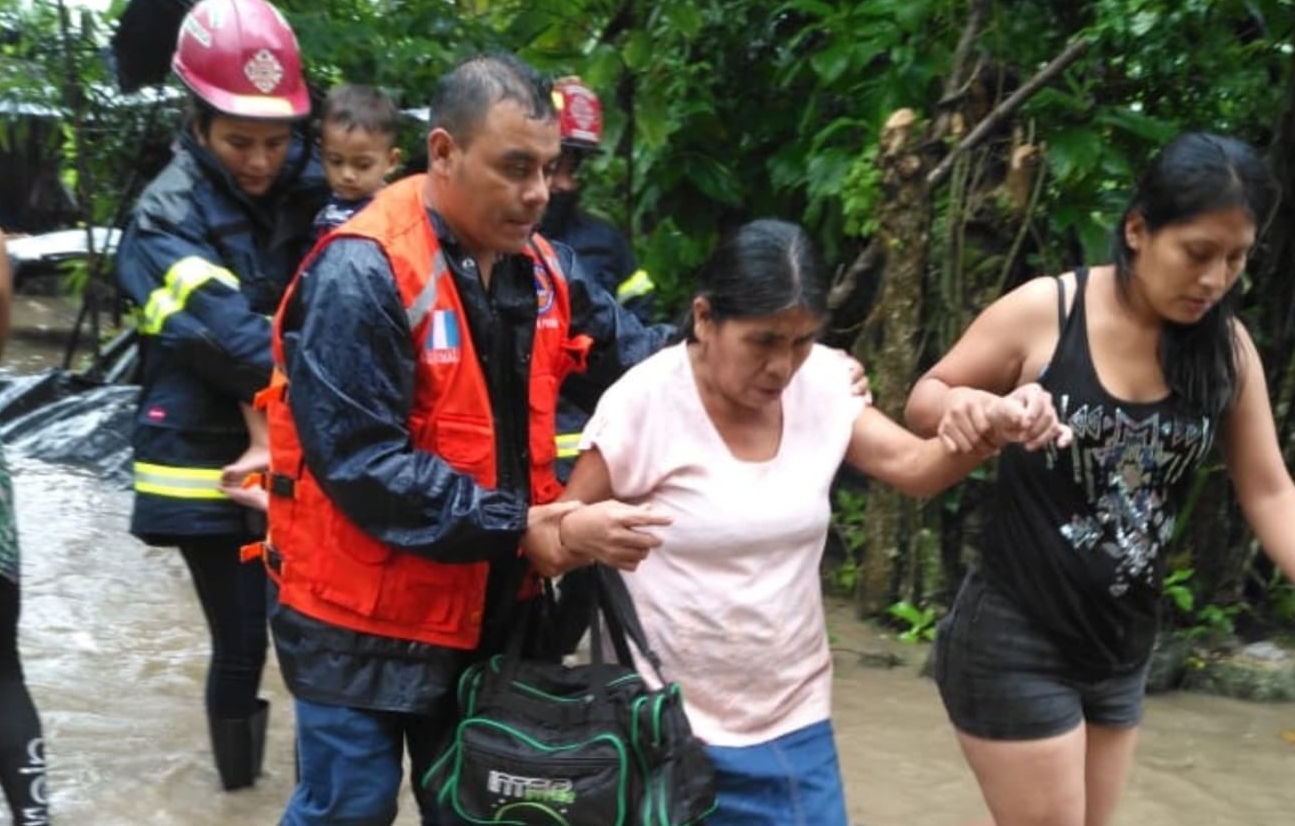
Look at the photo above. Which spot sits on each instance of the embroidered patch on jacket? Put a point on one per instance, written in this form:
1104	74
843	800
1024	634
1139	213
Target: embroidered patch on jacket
443	341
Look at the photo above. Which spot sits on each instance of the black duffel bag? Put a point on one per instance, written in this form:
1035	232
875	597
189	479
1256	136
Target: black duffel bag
538	743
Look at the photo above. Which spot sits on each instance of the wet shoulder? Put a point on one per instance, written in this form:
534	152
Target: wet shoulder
173	196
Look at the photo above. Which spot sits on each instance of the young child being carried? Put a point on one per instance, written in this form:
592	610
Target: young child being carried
358	146
357	136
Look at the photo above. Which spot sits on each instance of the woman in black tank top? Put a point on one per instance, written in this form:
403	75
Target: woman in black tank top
1042	660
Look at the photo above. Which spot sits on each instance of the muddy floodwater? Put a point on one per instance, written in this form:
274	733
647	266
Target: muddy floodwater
115	652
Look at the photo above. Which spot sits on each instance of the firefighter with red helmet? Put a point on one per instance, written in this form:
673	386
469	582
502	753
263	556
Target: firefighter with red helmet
603	252
211	245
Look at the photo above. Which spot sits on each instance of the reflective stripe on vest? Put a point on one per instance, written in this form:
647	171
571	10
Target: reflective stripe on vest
568	445
178	482
426	299
185	276
636	286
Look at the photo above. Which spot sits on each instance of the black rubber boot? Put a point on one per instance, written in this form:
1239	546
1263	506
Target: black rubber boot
239	747
260	720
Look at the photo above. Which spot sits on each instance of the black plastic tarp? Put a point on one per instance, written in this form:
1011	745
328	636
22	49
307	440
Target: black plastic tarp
58	416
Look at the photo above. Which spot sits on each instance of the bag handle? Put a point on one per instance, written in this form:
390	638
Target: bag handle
600	607
622	618
613	602
530	618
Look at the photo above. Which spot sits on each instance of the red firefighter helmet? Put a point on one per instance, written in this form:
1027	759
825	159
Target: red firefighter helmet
580	114
241	58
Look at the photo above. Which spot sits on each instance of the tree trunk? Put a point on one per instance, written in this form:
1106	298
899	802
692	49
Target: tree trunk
904	221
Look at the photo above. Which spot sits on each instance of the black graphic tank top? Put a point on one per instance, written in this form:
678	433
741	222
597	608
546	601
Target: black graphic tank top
1076	536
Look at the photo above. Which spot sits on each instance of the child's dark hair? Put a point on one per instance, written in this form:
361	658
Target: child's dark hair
766	266
354	106
464	95
1194	174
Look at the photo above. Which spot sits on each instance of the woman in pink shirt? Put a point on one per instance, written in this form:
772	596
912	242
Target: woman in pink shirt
728	442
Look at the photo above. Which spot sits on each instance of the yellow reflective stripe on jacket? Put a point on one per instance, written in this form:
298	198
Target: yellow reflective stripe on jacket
178	482
637	285
185	276
568	445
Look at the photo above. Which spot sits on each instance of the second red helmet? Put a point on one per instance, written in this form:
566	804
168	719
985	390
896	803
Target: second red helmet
580	114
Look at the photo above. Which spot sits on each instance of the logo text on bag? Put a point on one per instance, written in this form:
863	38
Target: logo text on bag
545	789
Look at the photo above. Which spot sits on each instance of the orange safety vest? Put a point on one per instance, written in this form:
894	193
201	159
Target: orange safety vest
325	566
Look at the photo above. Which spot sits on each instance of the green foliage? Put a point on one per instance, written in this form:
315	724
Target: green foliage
1177	591
1196	621
848	515
860	193
400	45
1155	67
847	521
1280	598
57	64
919	622
719	111
1215	621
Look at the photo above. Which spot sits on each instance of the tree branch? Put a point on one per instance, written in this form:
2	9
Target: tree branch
957	78
844	285
1006	108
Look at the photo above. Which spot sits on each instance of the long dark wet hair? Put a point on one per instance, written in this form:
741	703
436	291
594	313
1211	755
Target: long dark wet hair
1198	173
763	268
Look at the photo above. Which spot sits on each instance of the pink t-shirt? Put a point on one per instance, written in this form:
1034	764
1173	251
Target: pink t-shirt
732	600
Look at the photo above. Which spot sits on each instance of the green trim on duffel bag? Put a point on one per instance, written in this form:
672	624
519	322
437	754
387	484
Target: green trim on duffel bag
515	787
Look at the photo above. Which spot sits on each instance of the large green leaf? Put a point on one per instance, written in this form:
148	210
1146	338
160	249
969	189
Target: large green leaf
653	117
710	175
637	50
1074	152
1136	123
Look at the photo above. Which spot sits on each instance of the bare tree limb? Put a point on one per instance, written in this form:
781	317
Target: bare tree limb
845	284
960	94
1006	108
958	75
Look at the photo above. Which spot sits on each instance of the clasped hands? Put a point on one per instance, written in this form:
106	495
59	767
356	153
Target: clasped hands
980	422
566	535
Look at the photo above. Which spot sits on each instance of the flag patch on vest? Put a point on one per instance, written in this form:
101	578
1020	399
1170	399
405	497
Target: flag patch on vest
443	342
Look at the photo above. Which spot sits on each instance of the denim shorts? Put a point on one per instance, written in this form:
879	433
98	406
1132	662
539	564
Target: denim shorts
1002	678
794	780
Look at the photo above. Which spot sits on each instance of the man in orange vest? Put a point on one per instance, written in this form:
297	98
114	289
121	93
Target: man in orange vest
419	352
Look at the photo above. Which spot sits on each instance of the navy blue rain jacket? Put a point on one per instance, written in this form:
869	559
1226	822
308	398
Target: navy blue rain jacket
604	253
206	266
